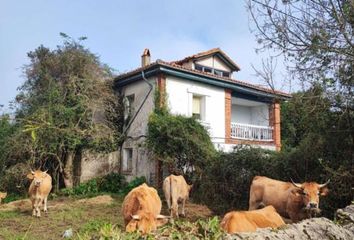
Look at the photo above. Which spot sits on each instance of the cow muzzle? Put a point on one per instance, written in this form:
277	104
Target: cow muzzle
312	206
37	183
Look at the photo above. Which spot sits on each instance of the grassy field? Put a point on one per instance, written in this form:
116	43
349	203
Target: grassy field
83	216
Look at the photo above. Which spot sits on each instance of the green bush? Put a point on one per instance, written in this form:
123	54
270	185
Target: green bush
111	183
134	183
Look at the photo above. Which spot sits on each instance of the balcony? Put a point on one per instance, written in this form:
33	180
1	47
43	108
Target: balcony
251	132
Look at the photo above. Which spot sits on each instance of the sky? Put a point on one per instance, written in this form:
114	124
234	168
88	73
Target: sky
118	31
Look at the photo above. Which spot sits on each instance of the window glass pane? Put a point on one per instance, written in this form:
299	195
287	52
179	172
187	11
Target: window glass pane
198	67
196	105
208	70
217	72
226	74
127	159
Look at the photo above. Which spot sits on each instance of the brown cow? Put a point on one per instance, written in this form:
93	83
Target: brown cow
291	200
176	191
39	190
250	221
2	196
141	210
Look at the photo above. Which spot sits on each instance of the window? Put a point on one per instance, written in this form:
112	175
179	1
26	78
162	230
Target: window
199	68
225	74
208	70
127	163
211	70
198	106
128	102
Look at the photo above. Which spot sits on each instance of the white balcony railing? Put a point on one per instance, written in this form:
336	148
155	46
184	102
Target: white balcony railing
251	132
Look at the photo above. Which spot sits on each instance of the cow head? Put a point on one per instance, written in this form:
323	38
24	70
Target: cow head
2	196
145	222
310	193
37	177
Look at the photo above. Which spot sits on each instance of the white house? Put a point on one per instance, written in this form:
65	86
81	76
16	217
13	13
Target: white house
201	85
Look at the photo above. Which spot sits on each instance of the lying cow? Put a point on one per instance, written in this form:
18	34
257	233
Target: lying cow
141	210
2	196
250	221
39	190
291	200
176	191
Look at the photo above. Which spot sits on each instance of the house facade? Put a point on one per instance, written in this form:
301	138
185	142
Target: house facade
202	85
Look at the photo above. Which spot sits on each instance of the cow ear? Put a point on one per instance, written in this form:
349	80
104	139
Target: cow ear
30	176
324	191
297	191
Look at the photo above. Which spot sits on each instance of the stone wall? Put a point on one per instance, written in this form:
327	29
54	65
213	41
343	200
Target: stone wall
98	164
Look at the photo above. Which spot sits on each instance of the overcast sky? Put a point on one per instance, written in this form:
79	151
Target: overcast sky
118	31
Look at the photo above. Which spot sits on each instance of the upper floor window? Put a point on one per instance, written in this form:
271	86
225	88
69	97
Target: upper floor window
128	102
211	70
198	107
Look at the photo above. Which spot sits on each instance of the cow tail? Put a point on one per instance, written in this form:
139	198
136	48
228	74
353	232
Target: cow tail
171	194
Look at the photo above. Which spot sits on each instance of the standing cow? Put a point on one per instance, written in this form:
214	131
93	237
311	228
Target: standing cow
39	190
176	191
250	221
291	200
141	210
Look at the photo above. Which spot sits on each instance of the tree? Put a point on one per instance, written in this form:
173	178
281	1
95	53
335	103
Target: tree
67	104
178	141
316	37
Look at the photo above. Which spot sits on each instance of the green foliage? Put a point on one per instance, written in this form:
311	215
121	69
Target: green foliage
111	183
134	183
180	142
178	230
66	105
225	183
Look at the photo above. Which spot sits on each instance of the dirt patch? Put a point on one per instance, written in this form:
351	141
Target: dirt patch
104	199
196	211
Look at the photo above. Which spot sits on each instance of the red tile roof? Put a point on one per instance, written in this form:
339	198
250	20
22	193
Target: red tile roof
226	79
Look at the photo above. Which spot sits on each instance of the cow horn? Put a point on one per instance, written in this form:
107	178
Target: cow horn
32	171
324	184
159	216
46	171
135	217
298	185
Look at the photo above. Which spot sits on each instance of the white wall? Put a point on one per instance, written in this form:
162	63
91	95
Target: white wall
142	165
214	62
180	93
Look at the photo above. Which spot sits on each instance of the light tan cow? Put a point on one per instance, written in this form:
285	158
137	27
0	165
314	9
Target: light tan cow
250	221
2	195
141	210
39	190
291	200
176	191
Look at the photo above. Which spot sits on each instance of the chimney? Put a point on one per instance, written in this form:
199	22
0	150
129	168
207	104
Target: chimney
145	58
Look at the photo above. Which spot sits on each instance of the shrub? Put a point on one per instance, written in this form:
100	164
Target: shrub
14	180
111	183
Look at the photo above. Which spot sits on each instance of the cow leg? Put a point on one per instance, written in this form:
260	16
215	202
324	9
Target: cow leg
33	207
45	209
38	204
183	210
